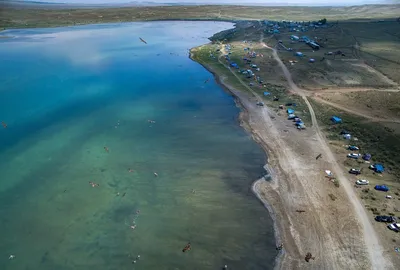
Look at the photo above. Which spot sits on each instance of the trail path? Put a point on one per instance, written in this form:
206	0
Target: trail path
375	250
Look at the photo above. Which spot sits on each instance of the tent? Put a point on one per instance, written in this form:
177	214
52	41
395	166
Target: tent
267	93
336	119
290	111
378	168
291	116
367	157
312	60
347	136
299	54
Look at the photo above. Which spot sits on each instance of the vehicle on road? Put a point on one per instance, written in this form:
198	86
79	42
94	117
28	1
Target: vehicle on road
362	182
353	155
355	171
394	227
385	219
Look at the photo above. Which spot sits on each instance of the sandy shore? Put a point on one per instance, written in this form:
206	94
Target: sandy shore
310	214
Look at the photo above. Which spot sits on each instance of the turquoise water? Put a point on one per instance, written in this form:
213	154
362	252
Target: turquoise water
65	94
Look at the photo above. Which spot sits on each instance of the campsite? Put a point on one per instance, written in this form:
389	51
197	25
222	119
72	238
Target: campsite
337	68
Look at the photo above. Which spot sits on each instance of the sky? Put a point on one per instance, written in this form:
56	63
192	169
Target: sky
239	2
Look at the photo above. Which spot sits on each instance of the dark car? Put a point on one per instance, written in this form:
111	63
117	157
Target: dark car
385	219
355	171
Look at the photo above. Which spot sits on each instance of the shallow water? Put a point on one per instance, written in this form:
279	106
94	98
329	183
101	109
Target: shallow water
66	93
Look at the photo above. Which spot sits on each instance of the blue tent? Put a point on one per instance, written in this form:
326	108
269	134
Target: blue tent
267	93
299	123
336	119
290	111
378	168
234	64
291	116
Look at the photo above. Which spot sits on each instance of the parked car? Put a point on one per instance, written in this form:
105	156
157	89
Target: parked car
382	188
353	148
355	171
385	219
353	155
394	227
362	182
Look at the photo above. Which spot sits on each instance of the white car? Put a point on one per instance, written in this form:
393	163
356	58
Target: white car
394	227
354	155
362	182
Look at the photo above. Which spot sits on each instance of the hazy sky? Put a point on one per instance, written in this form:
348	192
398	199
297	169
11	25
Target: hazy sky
241	2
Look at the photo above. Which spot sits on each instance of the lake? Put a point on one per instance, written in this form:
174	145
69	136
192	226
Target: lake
115	148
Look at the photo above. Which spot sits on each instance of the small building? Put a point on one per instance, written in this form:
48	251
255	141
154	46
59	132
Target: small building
336	120
290	111
367	157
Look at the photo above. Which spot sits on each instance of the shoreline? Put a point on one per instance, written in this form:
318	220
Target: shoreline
244	122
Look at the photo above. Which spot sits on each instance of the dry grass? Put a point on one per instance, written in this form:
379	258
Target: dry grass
343	71
378	104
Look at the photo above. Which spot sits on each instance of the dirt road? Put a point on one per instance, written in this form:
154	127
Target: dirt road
375	250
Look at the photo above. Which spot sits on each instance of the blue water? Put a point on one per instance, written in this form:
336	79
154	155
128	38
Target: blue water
65	94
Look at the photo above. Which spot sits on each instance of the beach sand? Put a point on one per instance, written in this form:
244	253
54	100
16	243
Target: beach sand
327	228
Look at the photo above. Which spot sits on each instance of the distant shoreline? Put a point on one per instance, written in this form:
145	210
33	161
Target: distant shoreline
44	16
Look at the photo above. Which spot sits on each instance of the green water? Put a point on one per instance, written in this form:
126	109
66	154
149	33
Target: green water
64	104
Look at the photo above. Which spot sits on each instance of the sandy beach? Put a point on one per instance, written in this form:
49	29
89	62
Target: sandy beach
310	214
